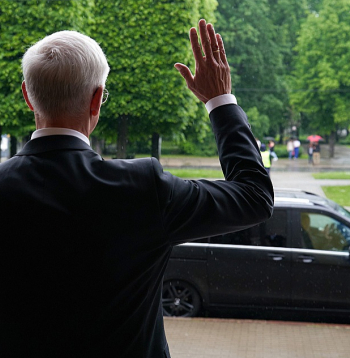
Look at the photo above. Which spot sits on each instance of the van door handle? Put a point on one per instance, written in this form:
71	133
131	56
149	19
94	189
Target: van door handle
306	259
276	257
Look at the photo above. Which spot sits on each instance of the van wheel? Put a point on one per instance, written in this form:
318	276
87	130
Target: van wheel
180	299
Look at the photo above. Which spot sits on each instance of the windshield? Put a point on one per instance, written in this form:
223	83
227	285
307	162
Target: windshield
342	211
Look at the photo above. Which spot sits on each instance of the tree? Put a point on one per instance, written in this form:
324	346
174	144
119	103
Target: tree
142	42
21	24
321	78
287	16
252	49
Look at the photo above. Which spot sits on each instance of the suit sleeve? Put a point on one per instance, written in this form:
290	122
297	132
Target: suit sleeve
193	209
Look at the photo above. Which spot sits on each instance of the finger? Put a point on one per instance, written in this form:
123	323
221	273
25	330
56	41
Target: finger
185	73
196	48
203	32
212	37
213	42
222	49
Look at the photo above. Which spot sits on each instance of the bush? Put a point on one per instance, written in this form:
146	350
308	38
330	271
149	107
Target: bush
205	148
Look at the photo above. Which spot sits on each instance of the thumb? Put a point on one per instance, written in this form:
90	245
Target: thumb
185	72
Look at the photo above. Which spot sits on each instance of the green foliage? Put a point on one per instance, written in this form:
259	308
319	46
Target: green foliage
259	122
315	5
142	42
205	147
344	140
287	16
256	41
265	42
23	23
321	80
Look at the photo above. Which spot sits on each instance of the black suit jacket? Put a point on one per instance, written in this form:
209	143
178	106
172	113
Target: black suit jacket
85	242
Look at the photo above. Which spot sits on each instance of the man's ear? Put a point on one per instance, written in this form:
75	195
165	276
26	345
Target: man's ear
25	95
96	101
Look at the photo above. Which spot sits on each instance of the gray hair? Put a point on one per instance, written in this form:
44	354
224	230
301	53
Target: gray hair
62	72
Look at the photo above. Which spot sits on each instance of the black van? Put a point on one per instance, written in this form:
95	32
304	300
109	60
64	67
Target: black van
298	259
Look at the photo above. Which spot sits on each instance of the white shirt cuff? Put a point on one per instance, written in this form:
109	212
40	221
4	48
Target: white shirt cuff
220	101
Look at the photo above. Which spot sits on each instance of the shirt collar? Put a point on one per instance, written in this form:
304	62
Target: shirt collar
59	131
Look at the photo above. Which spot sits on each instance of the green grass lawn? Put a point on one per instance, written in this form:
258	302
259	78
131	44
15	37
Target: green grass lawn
189	173
332	175
339	194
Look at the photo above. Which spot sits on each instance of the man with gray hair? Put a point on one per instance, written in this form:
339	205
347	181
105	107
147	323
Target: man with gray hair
64	73
85	242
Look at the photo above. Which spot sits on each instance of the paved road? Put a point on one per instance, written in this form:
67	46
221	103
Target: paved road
229	338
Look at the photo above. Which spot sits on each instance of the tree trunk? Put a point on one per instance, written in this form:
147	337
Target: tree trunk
156	145
122	136
331	144
281	133
13	146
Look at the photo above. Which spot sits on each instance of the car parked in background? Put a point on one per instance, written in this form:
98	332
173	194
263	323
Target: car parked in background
297	260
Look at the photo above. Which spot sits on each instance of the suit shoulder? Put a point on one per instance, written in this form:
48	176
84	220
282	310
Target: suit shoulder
8	163
139	165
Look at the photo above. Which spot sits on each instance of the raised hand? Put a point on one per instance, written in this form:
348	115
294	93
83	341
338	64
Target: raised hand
212	75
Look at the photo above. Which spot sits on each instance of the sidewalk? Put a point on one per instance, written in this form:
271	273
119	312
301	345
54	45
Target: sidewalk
285	173
304	181
340	162
230	338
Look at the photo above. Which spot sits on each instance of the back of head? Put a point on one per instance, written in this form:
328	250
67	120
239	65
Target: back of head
262	147
62	72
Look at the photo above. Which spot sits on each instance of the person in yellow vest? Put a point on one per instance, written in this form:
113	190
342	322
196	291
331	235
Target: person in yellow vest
266	158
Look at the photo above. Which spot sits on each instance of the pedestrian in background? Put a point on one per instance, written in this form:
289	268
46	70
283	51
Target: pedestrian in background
310	153
290	148
296	145
316	153
266	158
258	142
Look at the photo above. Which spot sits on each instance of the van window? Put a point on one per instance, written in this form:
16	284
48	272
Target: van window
273	232
322	232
